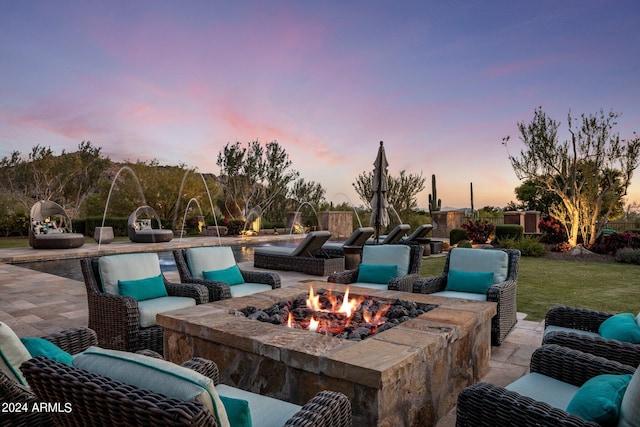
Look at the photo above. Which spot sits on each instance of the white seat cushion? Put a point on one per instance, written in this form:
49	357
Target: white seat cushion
400	255
552	328
210	258
150	307
464	295
378	286
13	353
471	260
248	289
265	411
153	374
630	408
127	267
544	389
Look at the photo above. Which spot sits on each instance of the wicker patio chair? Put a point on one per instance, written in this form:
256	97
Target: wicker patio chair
102	401
577	328
503	292
303	258
73	341
116	318
410	256
558	368
193	261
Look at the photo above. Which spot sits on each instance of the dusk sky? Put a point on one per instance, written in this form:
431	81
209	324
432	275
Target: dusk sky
440	82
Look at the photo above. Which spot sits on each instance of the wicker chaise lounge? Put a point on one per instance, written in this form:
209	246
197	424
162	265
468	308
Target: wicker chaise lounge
304	258
392	238
108	388
358	238
578	328
419	233
193	262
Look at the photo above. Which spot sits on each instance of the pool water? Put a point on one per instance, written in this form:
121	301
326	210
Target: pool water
70	268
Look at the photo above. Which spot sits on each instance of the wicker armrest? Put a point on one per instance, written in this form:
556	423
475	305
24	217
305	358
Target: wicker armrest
483	404
12	392
403	283
198	292
327	408
266	277
575	318
206	367
623	352
430	285
73	340
346	276
105	401
572	366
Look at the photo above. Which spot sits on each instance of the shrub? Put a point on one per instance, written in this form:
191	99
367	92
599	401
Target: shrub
562	247
465	244
509	231
552	230
628	256
457	234
234	226
478	232
528	246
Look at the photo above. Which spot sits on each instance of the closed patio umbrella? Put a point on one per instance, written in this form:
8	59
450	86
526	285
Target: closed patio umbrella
379	187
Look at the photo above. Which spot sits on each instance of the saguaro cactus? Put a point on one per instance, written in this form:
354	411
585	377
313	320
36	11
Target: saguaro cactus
435	204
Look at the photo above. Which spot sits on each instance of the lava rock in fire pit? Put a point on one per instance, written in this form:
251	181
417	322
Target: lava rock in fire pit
329	313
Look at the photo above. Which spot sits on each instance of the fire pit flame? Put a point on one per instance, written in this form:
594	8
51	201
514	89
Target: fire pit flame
338	315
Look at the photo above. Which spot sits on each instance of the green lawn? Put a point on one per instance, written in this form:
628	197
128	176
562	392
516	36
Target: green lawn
543	283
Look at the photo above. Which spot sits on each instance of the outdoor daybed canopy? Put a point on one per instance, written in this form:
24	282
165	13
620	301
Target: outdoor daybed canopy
140	230
51	227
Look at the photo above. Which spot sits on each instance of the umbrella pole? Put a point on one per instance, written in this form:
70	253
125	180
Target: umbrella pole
379	195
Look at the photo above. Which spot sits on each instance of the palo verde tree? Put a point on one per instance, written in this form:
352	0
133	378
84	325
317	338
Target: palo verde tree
403	189
253	177
590	173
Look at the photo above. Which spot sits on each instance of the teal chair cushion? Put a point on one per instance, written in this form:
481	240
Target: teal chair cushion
237	411
553	328
231	275
494	260
621	327
476	282
377	273
143	289
153	374
209	258
41	347
248	288
266	411
599	399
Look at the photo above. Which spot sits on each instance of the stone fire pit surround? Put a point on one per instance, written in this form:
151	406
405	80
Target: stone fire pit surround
408	375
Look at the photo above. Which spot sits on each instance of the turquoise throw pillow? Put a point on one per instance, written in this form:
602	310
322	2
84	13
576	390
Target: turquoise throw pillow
238	411
621	327
143	289
231	276
599	399
41	347
377	273
476	282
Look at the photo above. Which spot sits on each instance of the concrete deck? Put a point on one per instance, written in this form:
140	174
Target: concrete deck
36	304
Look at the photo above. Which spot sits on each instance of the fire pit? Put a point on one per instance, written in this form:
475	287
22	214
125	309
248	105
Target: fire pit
408	375
337	314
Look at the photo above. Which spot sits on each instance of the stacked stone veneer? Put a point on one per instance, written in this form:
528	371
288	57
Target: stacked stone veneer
408	375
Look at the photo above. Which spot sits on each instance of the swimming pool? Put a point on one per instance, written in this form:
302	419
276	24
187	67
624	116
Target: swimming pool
70	268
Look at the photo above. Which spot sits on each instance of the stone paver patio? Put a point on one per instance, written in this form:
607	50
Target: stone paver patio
36	304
